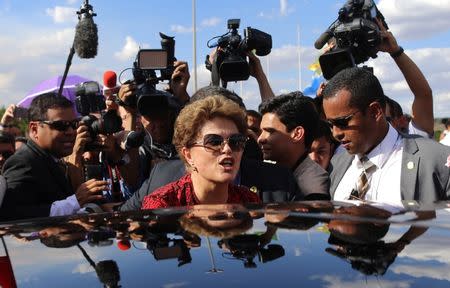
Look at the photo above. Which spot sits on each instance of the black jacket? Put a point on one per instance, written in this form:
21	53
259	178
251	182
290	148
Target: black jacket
34	181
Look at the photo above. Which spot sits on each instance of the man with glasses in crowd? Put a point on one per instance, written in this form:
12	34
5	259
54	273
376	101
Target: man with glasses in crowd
37	184
380	164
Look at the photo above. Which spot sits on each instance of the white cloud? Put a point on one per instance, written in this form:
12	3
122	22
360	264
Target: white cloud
285	8
7	79
128	51
333	281
56	43
181	29
62	14
416	19
210	22
175	285
71	2
83	268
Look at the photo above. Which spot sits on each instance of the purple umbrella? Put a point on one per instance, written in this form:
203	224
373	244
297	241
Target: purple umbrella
52	85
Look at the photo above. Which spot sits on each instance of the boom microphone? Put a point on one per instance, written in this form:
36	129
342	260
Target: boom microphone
86	38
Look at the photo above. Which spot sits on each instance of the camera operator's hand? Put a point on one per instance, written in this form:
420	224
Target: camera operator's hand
81	140
8	116
179	81
127	91
388	42
320	89
90	191
257	71
110	97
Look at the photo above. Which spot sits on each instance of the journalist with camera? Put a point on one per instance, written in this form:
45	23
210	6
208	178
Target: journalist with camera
356	36
230	62
157	109
36	176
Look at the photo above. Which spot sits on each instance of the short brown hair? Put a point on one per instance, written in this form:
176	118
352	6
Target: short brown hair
194	116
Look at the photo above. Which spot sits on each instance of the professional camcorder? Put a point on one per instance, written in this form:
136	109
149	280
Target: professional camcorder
231	63
357	37
246	247
90	100
148	99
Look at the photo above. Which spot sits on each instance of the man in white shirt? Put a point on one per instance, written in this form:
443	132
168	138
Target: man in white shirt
379	164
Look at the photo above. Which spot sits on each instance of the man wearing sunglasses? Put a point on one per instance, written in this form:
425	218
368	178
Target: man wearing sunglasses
288	125
36	179
380	164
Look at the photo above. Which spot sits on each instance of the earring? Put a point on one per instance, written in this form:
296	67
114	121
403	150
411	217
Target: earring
194	169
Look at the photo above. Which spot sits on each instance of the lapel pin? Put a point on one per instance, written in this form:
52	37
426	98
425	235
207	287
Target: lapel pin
254	189
410	165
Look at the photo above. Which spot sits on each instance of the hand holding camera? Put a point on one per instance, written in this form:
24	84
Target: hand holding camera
179	81
388	42
9	115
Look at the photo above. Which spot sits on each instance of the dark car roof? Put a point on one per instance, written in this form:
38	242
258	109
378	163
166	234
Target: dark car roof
303	244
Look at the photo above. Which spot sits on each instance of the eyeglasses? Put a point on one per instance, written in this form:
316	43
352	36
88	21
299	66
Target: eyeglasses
61	125
341	122
220	216
215	143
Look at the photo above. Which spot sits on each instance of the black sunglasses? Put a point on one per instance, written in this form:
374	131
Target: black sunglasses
214	142
341	122
220	216
61	125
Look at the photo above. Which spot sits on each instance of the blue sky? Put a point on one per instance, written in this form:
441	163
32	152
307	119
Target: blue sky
37	35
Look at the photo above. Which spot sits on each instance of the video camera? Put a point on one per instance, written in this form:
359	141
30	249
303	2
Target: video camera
90	100
246	247
148	99
231	63
163	248
357	37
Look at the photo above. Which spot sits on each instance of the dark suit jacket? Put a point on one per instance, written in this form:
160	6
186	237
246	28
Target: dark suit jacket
425	170
272	182
34	181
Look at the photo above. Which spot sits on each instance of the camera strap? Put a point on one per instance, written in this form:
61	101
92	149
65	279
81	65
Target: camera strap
115	177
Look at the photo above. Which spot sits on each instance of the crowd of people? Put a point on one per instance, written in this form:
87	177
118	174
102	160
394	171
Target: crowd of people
351	142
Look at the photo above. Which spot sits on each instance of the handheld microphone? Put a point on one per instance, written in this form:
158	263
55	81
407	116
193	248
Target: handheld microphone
110	83
86	38
109	79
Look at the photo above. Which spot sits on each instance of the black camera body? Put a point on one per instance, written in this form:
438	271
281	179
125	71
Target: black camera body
231	63
89	100
148	99
357	37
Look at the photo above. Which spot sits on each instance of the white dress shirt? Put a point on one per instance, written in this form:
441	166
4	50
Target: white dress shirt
66	206
384	181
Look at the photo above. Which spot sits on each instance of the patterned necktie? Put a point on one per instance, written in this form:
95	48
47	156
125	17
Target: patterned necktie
362	184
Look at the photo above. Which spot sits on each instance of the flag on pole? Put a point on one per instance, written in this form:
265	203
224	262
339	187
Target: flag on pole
317	78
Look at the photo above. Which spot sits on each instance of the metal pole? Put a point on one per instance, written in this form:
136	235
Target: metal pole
194	40
299	66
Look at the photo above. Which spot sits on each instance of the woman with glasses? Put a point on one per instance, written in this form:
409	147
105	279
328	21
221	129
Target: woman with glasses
210	135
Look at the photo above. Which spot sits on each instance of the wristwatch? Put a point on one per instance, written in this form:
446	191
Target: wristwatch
397	53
